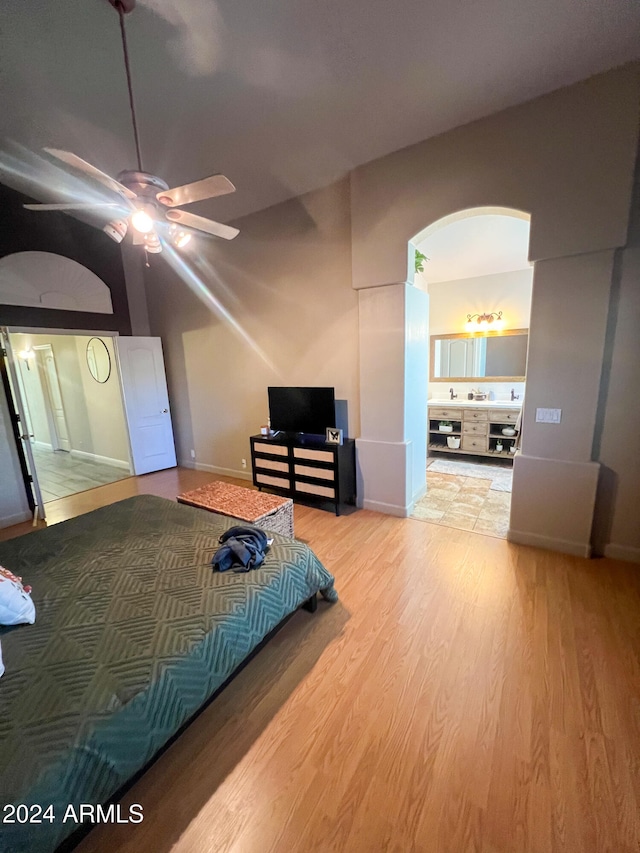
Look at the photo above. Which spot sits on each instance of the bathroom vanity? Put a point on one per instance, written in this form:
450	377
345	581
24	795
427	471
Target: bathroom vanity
479	426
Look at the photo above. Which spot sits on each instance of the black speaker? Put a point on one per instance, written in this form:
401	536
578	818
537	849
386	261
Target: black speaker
342	417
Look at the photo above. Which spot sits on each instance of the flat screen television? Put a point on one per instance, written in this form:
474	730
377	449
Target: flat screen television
308	410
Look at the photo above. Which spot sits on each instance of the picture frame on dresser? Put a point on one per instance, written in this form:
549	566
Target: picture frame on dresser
333	436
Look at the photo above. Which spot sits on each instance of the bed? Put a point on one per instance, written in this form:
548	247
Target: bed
134	632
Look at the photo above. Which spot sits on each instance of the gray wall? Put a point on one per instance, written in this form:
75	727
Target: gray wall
286	281
566	158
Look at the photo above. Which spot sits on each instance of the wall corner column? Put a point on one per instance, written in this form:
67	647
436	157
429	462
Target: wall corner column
555	479
393	360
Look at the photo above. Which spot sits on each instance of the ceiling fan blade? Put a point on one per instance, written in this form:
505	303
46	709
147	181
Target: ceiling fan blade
206	188
70	206
78	163
190	220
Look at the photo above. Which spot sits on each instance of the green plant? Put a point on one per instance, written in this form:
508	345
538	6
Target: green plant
445	423
419	261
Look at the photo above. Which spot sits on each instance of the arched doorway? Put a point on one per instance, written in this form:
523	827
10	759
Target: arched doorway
473	264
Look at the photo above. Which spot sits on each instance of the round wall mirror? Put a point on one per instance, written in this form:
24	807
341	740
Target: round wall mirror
98	360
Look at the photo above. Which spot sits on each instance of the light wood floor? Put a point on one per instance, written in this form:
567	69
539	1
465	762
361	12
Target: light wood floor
466	694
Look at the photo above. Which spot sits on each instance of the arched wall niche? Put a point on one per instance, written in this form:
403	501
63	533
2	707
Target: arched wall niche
47	280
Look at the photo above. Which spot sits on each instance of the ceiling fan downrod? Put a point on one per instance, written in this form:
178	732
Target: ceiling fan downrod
127	5
123	7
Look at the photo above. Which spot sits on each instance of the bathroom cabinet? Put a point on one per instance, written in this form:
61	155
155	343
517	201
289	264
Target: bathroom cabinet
479	429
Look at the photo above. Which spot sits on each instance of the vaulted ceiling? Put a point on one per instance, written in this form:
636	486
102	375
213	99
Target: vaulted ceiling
284	97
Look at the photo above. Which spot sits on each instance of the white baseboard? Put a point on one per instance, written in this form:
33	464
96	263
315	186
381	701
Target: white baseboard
578	549
16	518
42	445
622	552
104	460
215	469
414	500
387	509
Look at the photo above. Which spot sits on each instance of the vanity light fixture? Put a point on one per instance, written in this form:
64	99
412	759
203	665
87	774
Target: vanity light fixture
485	322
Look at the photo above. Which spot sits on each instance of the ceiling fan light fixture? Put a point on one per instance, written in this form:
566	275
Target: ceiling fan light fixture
179	237
142	222
152	243
116	229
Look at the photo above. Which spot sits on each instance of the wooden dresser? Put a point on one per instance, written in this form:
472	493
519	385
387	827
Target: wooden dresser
305	470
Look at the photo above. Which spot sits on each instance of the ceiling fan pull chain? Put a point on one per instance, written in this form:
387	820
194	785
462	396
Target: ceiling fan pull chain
121	13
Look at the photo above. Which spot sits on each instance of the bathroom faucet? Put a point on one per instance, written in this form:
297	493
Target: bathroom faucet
514	396
453	396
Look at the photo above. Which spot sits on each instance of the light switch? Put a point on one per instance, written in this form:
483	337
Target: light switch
548	416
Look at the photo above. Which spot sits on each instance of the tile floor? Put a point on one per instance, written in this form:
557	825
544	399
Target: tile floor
60	474
467	503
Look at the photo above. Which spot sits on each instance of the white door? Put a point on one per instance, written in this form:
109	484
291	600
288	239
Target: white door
146	403
14	383
53	397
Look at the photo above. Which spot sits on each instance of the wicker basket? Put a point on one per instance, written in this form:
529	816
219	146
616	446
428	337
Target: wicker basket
268	512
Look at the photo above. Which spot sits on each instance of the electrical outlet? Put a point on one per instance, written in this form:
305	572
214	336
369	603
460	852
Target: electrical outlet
244	463
193	454
548	416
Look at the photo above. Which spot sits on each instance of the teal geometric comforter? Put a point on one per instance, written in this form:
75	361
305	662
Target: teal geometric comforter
133	633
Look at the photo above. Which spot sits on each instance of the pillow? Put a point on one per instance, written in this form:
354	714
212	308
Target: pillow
16	606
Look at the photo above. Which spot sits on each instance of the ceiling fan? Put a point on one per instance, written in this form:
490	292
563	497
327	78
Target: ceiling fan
148	201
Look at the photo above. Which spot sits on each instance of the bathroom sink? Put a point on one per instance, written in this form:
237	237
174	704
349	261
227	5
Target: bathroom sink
491	404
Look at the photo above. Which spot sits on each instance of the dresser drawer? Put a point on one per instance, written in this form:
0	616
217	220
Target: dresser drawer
272	464
268	480
504	416
475	442
473	415
314	455
453	413
480	428
311	471
274	449
313	489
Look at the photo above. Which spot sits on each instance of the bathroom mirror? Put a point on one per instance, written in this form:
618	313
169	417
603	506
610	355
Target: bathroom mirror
98	360
495	356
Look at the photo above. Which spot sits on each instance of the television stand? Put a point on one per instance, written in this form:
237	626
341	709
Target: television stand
305	468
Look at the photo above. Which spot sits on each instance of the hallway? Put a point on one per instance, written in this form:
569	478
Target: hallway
61	474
